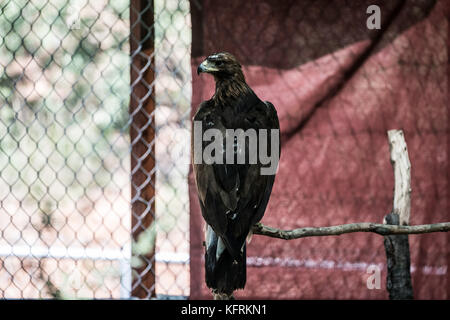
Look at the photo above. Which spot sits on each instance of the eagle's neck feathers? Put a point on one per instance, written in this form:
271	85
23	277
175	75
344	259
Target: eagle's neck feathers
230	88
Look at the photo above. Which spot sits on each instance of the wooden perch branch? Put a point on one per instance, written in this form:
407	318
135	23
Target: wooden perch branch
381	229
401	206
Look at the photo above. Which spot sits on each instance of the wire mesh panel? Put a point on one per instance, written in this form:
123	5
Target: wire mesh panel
66	169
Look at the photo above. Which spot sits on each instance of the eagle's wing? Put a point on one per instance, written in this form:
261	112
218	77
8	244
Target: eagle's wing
233	197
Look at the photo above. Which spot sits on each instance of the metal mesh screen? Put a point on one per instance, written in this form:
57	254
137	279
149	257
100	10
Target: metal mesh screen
65	151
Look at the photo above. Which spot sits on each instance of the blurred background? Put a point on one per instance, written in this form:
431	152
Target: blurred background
96	199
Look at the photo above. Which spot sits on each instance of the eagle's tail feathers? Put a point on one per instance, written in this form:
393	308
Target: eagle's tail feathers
223	272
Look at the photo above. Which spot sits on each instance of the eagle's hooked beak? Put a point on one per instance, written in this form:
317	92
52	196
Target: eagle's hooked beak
206	66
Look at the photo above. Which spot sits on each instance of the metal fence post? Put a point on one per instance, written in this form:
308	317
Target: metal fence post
142	134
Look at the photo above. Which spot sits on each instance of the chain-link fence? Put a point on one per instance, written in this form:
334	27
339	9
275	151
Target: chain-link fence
70	176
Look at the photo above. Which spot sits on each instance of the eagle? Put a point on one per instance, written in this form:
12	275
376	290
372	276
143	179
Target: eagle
233	194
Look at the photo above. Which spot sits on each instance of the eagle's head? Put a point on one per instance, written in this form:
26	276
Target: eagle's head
222	65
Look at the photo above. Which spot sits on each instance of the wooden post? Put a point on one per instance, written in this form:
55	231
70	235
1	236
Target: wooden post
402	175
399	283
142	134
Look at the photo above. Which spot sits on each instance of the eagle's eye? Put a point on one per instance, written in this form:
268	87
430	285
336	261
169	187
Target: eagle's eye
219	63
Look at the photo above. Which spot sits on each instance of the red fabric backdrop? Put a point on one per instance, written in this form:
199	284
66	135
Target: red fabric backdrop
338	87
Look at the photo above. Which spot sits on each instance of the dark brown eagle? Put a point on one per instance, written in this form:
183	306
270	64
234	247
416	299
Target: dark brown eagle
233	194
